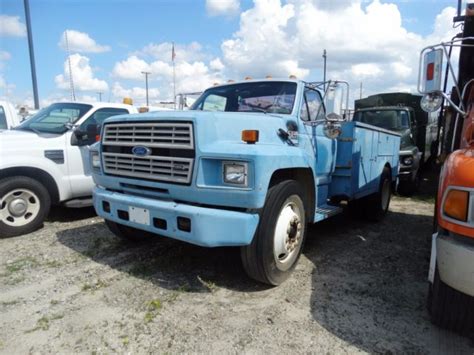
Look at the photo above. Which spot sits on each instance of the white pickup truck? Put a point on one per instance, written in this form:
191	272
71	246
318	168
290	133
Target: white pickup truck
45	160
9	117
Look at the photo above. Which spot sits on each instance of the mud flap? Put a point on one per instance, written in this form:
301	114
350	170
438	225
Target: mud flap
431	272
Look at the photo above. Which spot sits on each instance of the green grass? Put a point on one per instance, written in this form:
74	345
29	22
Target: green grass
20	264
45	322
94	286
153	308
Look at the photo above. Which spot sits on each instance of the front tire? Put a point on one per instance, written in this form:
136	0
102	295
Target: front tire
24	205
450	308
279	239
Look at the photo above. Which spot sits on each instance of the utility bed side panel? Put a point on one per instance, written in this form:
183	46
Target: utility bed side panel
362	153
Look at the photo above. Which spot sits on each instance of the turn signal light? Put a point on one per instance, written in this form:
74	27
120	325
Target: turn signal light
430	71
97	137
250	136
456	204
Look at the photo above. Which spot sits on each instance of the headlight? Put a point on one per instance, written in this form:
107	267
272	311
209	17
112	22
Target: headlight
235	173
407	160
95	160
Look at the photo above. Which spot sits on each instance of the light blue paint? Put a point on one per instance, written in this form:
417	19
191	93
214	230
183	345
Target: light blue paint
349	167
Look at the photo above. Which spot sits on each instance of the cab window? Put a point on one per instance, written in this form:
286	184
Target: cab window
3	119
101	114
312	108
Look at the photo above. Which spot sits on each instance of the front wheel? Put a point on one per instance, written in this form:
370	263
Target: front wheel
24	205
279	239
450	308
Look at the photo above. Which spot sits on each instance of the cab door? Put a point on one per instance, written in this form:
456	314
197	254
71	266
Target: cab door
324	148
80	176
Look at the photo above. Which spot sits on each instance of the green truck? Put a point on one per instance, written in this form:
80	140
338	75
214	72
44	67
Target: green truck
402	113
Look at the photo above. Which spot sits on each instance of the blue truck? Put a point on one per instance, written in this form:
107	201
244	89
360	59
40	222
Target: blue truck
249	165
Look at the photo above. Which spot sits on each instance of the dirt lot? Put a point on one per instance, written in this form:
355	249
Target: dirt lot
359	287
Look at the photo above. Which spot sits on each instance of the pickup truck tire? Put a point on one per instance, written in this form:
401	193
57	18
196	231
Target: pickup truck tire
126	233
449	308
24	205
376	205
279	239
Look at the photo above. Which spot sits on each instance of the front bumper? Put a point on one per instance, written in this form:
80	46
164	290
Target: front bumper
455	261
210	227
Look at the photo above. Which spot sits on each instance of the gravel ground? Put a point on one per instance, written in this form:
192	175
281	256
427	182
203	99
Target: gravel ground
359	287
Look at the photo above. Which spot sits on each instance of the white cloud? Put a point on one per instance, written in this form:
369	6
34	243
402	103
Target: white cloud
366	44
11	26
131	68
81	42
82	74
4	55
216	65
222	7
138	94
162	51
194	70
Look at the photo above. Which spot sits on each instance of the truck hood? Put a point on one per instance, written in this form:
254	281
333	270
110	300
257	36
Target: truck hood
210	127
24	141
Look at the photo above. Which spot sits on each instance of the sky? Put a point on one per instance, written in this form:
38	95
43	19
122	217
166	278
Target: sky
111	42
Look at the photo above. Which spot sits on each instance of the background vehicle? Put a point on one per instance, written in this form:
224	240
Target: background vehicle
451	276
9	117
401	112
249	165
44	161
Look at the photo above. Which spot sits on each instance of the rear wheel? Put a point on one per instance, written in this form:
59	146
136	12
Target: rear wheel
450	308
376	205
279	239
126	233
24	204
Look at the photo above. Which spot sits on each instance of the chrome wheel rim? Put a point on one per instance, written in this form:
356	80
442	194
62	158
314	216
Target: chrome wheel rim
288	234
19	207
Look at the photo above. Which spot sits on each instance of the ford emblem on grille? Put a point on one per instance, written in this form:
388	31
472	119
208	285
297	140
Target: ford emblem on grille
141	151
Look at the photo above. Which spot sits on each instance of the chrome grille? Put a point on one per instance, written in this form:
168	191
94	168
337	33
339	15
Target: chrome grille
172	169
161	138
155	135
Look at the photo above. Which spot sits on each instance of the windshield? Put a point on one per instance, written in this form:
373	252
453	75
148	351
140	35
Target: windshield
268	97
55	118
394	120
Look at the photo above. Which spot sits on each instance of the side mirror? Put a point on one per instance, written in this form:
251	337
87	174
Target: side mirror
334	117
431	102
432	71
332	130
90	136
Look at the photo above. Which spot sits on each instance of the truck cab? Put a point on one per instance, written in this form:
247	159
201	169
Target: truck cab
451	273
249	165
9	117
45	160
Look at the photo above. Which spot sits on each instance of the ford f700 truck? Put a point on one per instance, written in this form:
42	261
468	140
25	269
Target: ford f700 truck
451	276
249	165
